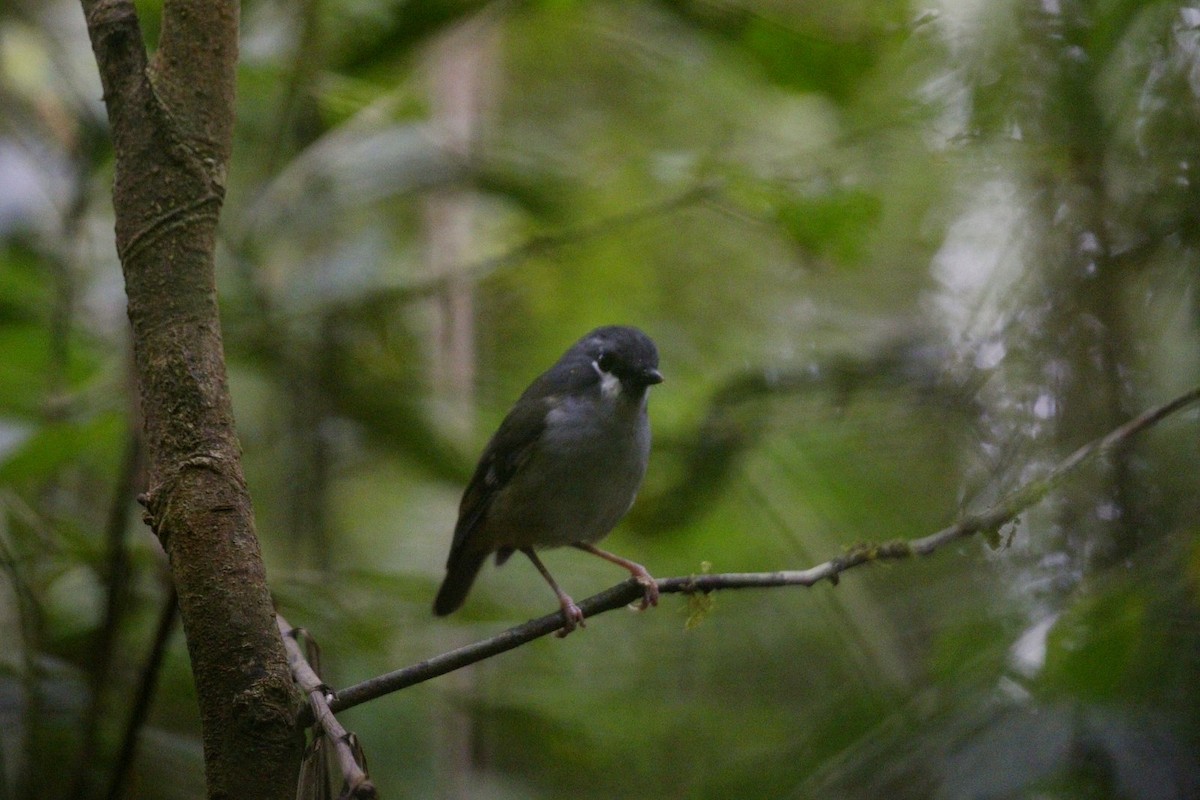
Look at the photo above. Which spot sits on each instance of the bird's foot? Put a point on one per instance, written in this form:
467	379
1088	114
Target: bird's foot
639	573
649	587
572	617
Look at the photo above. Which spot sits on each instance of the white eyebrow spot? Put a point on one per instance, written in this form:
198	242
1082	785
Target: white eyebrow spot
610	384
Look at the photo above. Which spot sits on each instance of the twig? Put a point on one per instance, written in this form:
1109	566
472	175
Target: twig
359	786
29	629
116	581
145	694
624	593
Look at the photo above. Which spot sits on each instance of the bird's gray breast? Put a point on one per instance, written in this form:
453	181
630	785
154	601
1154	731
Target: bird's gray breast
581	477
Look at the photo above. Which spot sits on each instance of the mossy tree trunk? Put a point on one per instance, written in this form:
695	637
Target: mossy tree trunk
171	118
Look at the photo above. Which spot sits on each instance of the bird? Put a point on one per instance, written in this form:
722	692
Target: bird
562	469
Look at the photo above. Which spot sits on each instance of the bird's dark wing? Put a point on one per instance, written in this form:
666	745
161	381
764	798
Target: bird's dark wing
509	449
510	446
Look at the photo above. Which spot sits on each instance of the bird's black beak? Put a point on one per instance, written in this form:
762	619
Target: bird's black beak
651	376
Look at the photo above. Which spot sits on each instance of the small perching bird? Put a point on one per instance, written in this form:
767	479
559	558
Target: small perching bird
563	468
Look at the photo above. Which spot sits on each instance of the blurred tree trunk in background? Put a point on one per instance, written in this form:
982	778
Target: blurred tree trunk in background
462	73
462	65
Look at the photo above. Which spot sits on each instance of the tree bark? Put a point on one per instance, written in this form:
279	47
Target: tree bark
171	120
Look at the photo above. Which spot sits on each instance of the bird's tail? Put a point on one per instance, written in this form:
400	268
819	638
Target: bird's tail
460	575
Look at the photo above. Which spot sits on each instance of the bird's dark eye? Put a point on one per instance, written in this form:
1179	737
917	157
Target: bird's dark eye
606	361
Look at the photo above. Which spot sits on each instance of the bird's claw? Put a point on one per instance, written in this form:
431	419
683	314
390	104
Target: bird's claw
572	618
649	590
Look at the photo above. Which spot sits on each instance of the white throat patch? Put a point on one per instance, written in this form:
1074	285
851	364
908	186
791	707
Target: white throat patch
610	384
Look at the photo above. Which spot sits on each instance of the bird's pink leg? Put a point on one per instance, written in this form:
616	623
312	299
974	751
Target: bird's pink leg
572	615
639	573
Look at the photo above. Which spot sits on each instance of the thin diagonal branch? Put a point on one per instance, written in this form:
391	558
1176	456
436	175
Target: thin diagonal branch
429	286
359	786
625	593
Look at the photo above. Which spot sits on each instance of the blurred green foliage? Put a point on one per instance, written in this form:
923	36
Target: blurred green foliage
899	258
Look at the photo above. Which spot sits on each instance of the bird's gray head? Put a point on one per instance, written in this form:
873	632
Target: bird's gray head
624	359
620	361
